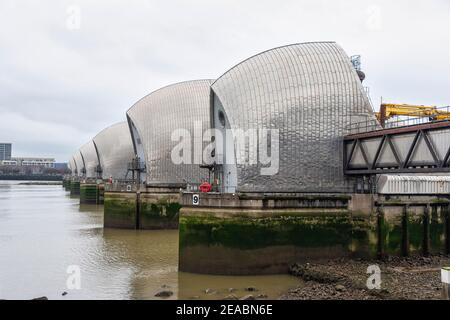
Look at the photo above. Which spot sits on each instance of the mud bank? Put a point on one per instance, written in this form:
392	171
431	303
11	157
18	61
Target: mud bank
412	278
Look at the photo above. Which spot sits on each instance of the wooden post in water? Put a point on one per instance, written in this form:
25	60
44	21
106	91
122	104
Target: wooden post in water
445	276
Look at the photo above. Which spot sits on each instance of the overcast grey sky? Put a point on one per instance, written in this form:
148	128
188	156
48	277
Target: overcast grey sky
64	79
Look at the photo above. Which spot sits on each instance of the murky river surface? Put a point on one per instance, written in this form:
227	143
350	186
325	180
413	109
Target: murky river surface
43	232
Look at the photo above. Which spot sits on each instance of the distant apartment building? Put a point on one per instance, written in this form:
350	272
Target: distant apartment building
7	160
5	151
28	161
61	166
8	163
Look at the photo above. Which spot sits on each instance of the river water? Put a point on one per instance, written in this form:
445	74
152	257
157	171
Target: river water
47	239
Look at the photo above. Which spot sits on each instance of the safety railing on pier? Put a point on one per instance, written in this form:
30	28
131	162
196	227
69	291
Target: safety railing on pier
192	187
195	187
363	126
122	186
91	180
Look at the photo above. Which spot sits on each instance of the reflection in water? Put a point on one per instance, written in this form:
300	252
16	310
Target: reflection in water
152	258
43	231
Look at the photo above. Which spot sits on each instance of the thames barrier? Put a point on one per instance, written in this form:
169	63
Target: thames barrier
280	160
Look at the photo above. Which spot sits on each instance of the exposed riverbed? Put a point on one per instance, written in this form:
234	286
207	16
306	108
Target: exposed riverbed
411	278
43	231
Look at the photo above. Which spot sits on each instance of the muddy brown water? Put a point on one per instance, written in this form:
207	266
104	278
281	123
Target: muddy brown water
44	232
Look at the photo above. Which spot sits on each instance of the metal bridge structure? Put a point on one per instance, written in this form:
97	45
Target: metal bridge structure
409	147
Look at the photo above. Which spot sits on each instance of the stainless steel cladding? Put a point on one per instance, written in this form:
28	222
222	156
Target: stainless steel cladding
310	92
413	185
90	157
79	164
73	166
156	117
115	151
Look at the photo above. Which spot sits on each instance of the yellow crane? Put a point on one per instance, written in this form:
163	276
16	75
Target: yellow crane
389	110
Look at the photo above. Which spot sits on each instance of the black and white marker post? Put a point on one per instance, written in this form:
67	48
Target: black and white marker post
445	276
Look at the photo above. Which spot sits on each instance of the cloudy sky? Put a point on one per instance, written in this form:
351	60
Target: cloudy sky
68	69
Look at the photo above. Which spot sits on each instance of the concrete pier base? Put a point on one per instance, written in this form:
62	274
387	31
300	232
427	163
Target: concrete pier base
66	184
264	234
233	244
159	210
413	226
120	210
91	193
74	188
149	209
242	234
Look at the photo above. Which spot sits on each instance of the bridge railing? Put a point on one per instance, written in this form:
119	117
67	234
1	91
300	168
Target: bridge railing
373	124
363	126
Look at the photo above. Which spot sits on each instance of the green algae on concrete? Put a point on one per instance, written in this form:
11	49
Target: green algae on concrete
146	211
66	184
364	236
258	238
89	193
252	233
249	245
158	213
74	188
415	228
437	230
391	233
407	232
120	210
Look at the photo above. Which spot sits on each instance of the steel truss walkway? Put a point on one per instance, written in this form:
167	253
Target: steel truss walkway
423	148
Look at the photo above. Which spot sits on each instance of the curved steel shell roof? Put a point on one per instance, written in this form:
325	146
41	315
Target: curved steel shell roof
309	92
72	166
157	116
115	150
90	157
79	163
